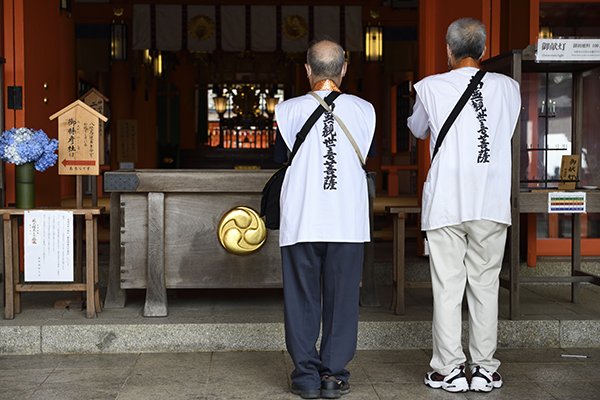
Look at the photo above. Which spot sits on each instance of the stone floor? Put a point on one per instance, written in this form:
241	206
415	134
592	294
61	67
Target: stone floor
529	374
252	319
229	344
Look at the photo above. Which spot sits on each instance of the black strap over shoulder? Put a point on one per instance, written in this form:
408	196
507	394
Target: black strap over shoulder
457	109
300	136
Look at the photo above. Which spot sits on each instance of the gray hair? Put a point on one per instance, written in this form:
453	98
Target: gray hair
325	63
466	38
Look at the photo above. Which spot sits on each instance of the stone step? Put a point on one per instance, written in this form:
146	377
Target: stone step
176	337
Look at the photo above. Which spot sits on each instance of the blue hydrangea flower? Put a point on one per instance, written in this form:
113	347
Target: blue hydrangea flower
22	145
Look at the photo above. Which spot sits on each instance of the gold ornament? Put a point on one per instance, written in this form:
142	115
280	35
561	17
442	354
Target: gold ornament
294	27
246	101
201	27
242	231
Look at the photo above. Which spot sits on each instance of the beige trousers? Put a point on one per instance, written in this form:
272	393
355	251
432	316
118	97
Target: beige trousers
465	257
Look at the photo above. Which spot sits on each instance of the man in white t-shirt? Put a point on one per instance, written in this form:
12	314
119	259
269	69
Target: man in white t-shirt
466	206
324	225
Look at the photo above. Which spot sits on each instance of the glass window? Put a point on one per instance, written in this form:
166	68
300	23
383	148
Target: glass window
546	127
590	146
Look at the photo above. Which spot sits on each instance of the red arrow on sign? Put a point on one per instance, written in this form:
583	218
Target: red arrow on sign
79	162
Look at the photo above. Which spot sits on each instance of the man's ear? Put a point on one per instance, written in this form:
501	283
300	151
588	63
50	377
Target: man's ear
308	70
344	68
482	53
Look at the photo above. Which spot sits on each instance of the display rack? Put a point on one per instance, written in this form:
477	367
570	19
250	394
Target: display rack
525	196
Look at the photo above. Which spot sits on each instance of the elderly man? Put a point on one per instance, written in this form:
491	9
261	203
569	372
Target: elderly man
324	224
466	206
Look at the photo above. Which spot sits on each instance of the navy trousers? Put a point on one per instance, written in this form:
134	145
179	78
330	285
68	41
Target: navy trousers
321	285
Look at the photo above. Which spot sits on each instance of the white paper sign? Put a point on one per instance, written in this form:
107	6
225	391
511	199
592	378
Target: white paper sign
566	202
568	50
48	241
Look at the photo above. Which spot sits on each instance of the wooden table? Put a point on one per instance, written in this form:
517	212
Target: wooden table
164	234
537	202
13	285
398	258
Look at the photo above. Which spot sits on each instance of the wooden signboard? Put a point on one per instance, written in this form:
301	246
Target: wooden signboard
127	138
569	170
48	244
78	142
98	102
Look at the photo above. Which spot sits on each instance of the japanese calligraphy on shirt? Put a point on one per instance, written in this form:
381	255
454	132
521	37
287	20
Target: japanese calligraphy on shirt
330	163
483	155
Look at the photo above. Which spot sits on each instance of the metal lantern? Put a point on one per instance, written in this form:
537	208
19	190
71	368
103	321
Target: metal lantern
220	105
373	43
271	103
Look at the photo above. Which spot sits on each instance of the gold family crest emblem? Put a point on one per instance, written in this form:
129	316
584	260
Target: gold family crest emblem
294	27
242	231
201	27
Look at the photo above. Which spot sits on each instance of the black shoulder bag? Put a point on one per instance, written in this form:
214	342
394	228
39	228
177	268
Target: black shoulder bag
269	203
457	109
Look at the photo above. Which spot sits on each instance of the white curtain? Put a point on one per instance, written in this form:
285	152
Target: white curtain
202	27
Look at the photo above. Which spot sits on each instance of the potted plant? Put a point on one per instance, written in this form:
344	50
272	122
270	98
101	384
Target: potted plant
27	149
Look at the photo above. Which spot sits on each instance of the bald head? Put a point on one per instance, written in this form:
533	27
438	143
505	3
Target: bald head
325	60
466	38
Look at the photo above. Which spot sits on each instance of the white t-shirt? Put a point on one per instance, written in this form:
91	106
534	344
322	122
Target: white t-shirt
324	194
470	177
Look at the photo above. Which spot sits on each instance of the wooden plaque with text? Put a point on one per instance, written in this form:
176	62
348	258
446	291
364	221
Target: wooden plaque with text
78	139
569	170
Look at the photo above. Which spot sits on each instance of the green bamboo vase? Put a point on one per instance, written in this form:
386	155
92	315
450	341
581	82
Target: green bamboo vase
25	185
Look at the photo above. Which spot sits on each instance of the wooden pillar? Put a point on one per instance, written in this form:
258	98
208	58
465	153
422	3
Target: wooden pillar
491	12
121	104
144	111
516	26
156	290
184	80
42	65
14	75
115	296
372	92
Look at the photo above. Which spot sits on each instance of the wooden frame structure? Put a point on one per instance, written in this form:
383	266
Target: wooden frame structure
514	64
13	286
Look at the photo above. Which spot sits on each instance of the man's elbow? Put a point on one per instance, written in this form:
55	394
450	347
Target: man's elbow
419	133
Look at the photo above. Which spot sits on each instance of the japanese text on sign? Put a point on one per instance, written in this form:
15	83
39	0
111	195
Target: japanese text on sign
568	50
48	241
569	170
